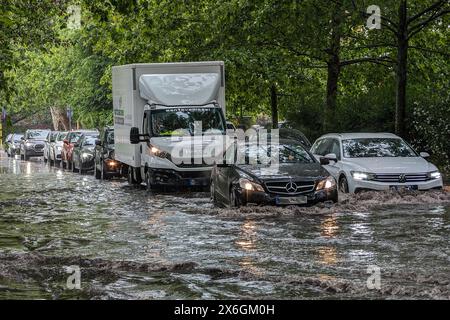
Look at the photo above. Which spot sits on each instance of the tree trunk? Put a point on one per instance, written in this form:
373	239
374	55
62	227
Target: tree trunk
274	105
402	65
59	119
334	68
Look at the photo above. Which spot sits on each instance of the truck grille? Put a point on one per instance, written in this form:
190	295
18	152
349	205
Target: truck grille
290	187
401	177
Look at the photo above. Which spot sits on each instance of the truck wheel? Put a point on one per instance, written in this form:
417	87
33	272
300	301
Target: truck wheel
134	177
213	193
148	180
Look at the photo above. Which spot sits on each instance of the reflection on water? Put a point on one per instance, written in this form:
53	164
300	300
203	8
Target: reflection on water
135	244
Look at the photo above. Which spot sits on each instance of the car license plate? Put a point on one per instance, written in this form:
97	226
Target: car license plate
403	188
291	200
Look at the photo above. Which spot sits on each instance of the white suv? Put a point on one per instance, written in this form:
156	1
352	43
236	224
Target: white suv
375	161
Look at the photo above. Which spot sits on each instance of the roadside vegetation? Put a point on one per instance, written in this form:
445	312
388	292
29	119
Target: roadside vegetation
312	63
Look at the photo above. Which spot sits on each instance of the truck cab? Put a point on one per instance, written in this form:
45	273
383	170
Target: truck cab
169	122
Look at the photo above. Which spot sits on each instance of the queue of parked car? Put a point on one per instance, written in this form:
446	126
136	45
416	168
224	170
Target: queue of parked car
347	162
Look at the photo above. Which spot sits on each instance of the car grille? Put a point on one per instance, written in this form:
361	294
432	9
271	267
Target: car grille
401	178
288	187
38	147
194	165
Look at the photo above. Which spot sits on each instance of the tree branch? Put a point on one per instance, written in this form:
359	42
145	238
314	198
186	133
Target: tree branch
385	61
420	26
430	50
430	8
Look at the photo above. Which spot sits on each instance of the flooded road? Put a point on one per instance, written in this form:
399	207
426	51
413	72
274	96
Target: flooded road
131	244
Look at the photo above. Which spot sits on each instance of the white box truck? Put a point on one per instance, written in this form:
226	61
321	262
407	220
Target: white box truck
165	117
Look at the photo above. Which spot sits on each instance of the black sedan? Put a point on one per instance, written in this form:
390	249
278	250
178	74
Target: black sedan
247	175
83	154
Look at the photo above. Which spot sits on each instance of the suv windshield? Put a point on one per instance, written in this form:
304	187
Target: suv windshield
37	135
180	121
376	148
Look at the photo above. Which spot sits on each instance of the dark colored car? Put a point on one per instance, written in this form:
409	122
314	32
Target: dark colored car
32	144
71	139
12	144
298	179
83	154
106	166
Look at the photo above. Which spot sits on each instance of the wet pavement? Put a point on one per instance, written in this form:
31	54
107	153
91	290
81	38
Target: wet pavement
131	244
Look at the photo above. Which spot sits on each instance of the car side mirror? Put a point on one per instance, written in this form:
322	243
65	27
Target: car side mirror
23	138
98	143
324	161
424	154
331	157
76	145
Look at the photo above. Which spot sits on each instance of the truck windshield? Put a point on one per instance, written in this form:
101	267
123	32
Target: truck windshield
180	121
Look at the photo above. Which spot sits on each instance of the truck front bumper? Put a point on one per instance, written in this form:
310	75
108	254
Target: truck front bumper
173	178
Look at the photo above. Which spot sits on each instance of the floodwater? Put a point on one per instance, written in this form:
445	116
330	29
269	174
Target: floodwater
131	244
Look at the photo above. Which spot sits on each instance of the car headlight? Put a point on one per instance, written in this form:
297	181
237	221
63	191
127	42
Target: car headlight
58	148
29	145
434	175
248	185
326	184
86	155
159	153
362	175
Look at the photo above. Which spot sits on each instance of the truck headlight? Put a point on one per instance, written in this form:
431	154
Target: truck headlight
326	184
362	175
159	153
434	175
248	185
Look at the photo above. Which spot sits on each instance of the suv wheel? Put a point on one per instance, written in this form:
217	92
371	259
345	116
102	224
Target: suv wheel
343	185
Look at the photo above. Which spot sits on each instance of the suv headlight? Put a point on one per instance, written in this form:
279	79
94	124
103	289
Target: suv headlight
248	185
362	175
328	183
434	175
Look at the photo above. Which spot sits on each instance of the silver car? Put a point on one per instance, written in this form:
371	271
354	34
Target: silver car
33	144
51	137
56	148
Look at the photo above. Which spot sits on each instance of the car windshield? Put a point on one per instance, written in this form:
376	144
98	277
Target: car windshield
37	135
110	137
89	141
17	138
287	153
77	135
376	148
61	136
180	121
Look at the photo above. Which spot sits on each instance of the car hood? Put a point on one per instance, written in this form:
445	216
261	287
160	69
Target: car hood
286	171
392	165
35	141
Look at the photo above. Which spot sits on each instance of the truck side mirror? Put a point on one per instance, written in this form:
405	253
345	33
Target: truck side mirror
134	136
